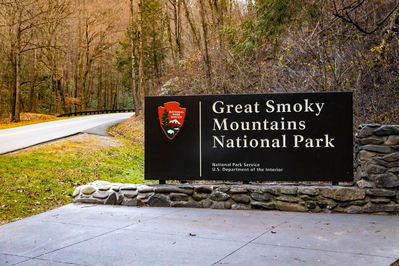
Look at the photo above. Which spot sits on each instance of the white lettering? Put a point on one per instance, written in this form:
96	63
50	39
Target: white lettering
220	110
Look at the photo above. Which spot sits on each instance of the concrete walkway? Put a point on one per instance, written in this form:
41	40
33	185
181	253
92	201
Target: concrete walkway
115	235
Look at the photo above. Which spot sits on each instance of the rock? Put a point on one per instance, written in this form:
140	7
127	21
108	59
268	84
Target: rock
380	200
392	140
241	198
186	204
130	193
89	201
104	188
100	195
365	155
111	199
371	125
394	164
145	189
391	157
218	205
354	210
144	196
272	190
289	190
219	196
133	202
386	130
379	162
76	192
311	191
267	206
305	197
200	196
364	184
326	203
310	204
350	203
186	186
359	174
240	207
381	192
375	169
131	187
255	189
223	189
228	204
116	188
88	190
203	189
283	206
371	140
172	189
119	200
394	170
387	180
287	199
343	193
365	132
178	197
380	208
378	148
100	183
207	203
238	190
260	197
158	201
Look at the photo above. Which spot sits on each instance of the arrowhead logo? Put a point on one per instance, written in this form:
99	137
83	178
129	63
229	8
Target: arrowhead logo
171	118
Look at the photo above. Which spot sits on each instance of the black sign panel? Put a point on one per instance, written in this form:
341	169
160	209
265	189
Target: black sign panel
262	137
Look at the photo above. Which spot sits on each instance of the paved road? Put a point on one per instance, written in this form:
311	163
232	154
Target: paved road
22	137
117	235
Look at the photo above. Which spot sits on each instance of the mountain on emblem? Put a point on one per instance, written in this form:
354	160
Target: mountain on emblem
171	118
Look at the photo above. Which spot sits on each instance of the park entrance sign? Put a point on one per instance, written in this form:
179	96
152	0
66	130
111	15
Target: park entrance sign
249	137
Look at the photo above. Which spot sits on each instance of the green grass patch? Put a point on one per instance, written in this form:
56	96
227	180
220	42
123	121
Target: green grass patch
44	177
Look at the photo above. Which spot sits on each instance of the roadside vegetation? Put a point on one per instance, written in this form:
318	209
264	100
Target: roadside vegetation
27	119
44	177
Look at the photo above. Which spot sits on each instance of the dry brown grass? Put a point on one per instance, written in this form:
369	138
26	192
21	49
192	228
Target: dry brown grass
132	129
27	119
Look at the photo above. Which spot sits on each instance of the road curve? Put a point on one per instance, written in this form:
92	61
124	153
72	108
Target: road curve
22	137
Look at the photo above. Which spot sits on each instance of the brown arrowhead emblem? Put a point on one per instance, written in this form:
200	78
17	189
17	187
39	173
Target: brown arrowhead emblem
171	118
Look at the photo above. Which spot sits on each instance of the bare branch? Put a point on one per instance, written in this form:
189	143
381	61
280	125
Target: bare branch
353	7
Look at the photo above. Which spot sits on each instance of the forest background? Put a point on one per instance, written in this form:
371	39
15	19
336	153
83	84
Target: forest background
60	56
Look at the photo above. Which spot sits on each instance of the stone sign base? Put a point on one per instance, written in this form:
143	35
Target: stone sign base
298	198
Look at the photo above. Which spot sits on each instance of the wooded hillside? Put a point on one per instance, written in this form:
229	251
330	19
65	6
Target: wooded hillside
63	56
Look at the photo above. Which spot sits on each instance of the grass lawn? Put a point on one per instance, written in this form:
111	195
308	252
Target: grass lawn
44	177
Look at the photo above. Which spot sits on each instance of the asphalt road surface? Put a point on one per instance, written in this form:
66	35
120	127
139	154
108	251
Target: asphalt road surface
14	139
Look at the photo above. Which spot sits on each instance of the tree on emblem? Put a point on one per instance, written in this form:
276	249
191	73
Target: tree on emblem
165	118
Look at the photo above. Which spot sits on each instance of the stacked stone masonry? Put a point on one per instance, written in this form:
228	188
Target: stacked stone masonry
375	190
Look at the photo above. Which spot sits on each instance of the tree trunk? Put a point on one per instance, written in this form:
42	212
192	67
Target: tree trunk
16	114
32	88
207	63
141	62
133	58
